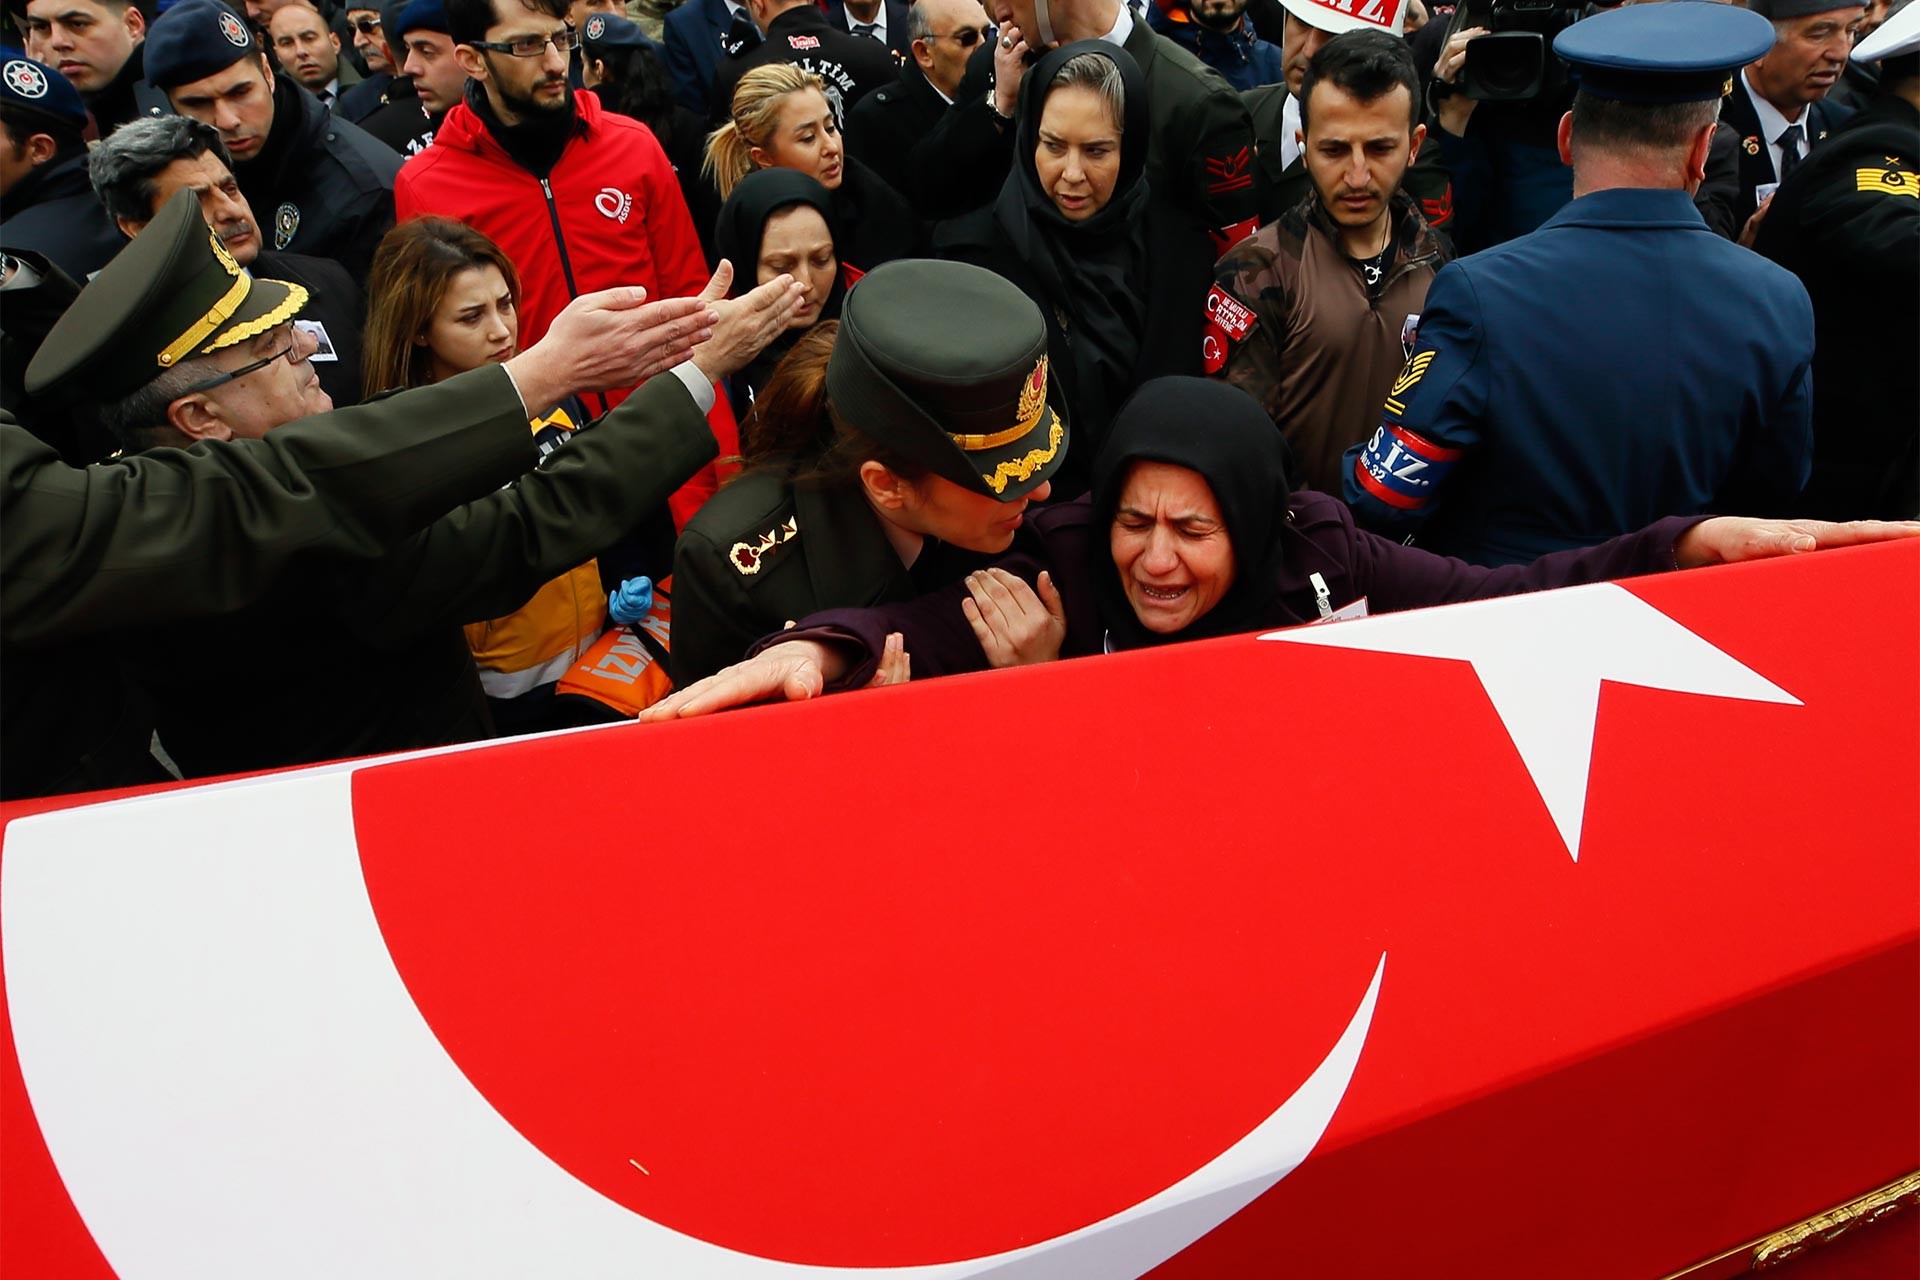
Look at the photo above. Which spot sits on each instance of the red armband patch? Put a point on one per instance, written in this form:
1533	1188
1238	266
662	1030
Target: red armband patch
1230	173
1234	317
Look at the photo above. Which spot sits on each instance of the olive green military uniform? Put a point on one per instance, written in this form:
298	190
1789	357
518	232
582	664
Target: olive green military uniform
943	365
762	553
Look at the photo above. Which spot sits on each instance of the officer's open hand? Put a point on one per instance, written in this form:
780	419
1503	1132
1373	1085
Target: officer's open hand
606	340
744	325
1726	539
793	669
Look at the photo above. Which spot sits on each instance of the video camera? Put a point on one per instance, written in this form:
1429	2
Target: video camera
1513	62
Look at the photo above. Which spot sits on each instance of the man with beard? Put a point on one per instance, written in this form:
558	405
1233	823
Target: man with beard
1275	109
579	197
138	169
324	186
1309	315
96	45
1219	33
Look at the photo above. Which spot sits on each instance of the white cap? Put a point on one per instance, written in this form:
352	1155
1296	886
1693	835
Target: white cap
1897	35
1336	16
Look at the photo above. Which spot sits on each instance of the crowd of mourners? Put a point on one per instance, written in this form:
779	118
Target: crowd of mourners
382	377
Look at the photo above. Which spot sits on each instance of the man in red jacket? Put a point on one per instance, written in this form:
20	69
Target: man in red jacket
580	198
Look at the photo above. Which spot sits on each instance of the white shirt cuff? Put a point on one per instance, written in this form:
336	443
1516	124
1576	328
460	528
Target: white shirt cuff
696	383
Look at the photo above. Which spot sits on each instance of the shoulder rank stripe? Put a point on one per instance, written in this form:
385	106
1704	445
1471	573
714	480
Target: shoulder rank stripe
1892	182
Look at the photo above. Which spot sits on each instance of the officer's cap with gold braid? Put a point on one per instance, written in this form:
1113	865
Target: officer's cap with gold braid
946	364
172	294
1685	51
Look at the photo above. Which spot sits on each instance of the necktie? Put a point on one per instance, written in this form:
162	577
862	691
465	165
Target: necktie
1789	150
867	29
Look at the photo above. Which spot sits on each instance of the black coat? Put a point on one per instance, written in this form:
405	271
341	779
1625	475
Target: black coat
876	223
1847	223
853	66
889	122
1719	193
127	96
1321	539
334	303
763	552
321	185
53	211
387	107
1756	156
960	163
1179	273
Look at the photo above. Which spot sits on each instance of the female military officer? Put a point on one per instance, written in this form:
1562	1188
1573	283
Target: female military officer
884	460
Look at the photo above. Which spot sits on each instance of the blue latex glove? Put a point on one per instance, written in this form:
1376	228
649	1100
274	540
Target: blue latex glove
630	603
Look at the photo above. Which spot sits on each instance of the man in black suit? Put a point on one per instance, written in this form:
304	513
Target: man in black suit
797	33
882	130
882	20
698	36
1778	103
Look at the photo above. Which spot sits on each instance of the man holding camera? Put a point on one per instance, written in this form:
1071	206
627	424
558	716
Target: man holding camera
1590	378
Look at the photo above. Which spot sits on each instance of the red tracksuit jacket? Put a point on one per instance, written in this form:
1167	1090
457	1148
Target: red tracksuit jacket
609	214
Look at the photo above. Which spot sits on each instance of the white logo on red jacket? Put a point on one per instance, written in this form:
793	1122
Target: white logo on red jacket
614	203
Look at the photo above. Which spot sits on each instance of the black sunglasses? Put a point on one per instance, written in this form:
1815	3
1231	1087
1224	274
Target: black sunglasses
966	37
366	26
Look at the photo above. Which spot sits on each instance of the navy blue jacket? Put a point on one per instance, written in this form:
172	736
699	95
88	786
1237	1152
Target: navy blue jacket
691	44
1243	59
1620	364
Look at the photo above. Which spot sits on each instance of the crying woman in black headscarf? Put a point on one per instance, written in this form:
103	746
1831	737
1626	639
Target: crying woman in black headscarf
1120	272
1191	532
780	222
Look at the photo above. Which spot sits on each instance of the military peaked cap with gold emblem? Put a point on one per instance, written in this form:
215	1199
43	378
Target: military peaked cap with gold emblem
1685	51
946	364
172	294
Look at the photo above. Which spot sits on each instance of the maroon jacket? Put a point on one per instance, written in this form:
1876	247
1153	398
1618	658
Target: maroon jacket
1322	539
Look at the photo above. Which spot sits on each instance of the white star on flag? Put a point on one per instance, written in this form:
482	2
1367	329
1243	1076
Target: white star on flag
1541	659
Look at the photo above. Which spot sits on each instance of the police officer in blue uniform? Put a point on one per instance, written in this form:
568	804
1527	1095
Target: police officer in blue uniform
1621	363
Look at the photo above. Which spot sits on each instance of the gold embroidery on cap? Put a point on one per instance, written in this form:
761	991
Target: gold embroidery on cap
1023	468
216	315
289	307
1033	398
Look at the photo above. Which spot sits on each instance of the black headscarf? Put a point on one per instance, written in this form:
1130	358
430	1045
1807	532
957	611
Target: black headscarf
1092	272
743	224
1221	432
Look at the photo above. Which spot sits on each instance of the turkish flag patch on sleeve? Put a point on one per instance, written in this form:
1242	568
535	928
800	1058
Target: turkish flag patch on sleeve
1229	320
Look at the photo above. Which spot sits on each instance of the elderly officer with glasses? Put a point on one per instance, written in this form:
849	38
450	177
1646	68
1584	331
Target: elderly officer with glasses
883	127
579	197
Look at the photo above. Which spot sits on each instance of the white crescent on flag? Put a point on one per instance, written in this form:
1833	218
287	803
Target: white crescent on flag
258	1095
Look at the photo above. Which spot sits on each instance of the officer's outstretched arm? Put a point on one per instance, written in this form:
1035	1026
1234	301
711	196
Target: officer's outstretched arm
1431	420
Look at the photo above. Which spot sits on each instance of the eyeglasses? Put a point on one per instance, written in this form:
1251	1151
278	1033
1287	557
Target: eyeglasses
287	353
966	37
564	41
366	26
